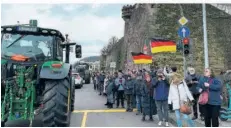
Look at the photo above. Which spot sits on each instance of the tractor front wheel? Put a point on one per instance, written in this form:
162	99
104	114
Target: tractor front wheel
56	103
72	99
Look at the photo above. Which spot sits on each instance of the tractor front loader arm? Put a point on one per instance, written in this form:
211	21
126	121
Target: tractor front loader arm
19	98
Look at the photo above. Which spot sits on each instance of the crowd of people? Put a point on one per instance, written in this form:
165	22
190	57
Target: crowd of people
162	91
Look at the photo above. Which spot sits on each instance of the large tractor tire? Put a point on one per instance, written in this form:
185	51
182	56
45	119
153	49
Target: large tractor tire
73	99
56	103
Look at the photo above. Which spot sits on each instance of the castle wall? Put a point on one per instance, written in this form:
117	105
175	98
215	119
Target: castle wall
160	20
144	21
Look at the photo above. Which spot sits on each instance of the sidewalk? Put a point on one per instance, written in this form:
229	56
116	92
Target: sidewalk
198	122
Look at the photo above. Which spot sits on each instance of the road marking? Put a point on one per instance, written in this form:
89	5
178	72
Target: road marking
103	111
83	124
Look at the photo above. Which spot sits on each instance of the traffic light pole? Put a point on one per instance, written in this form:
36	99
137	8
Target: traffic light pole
184	59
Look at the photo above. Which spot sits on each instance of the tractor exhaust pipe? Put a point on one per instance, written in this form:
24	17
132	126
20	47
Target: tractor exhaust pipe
67	47
67	50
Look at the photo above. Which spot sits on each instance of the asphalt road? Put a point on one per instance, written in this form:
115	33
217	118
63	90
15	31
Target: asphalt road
90	111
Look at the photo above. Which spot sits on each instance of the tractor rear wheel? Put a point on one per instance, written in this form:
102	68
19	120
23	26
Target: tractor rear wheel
88	81
56	103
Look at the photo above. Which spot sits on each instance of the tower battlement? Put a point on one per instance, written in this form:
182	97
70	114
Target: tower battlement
127	11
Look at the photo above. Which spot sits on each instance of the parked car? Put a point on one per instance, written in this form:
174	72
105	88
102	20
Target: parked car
78	80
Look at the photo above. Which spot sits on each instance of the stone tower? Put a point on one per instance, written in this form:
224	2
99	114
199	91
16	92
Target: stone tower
126	15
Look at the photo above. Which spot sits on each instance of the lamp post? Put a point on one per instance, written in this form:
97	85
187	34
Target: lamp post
205	36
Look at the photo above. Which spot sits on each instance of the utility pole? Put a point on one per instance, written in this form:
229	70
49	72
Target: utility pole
205	36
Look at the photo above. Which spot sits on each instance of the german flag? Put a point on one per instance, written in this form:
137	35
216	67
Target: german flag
141	58
161	45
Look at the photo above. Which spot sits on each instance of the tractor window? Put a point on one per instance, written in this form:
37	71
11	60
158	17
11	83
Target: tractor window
59	49
35	47
41	45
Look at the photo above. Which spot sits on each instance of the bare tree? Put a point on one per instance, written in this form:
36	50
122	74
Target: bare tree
104	51
112	42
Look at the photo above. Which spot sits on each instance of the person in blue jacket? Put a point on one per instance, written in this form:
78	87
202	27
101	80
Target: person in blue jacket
214	87
161	89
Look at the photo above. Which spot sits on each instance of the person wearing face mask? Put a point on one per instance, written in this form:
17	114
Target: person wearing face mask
148	104
128	92
192	82
211	85
120	85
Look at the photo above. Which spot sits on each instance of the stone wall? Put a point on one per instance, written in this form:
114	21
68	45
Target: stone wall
145	21
116	54
160	20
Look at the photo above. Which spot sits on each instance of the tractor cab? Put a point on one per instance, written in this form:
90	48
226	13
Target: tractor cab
28	43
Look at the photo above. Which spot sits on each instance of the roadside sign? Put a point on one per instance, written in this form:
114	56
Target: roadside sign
183	20
113	65
183	32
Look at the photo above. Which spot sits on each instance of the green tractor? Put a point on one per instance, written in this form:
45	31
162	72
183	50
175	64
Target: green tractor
35	80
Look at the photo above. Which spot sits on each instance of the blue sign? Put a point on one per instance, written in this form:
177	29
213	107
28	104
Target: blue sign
27	28
183	32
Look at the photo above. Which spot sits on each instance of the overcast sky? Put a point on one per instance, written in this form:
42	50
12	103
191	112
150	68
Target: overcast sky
91	25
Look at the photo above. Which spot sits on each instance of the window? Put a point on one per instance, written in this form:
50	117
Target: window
28	45
59	49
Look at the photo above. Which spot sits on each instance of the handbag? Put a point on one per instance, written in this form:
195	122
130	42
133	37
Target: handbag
185	108
204	96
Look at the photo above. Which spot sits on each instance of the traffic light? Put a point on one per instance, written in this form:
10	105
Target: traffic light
78	51
185	42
